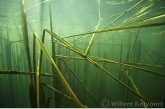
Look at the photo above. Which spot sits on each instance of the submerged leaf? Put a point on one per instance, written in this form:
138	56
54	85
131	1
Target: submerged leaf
4	16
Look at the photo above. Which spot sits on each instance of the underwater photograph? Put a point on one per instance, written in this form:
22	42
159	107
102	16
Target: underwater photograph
82	53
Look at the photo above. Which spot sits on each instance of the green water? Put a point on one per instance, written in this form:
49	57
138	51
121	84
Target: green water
122	67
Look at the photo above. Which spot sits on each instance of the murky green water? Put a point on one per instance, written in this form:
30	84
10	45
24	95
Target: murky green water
109	53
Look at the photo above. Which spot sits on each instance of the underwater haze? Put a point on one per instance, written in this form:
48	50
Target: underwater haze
82	53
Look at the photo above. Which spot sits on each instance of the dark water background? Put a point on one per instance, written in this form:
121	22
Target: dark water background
70	17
